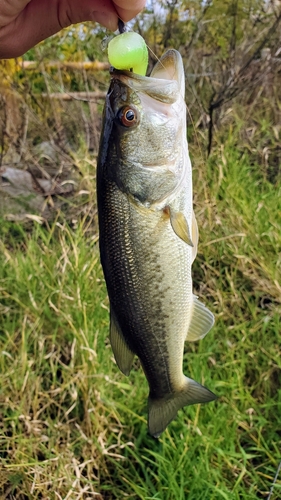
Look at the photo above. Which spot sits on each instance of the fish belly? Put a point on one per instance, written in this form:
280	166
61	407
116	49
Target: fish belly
148	275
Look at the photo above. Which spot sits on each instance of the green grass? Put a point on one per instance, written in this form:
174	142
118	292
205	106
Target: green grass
73	427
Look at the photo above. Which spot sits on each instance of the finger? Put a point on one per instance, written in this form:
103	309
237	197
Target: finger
128	9
41	19
10	10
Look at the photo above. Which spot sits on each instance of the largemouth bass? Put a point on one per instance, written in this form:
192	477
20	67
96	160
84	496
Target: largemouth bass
148	234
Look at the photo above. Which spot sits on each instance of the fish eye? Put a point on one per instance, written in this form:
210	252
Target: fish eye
128	116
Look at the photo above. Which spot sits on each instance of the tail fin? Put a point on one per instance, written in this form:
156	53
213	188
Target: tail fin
162	411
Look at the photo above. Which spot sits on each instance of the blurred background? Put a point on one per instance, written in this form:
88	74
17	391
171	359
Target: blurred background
71	426
51	99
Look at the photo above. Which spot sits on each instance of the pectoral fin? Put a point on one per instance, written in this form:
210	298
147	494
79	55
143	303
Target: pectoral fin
202	321
123	355
180	226
194	236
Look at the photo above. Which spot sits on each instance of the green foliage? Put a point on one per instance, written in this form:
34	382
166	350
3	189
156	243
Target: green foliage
222	46
70	421
72	426
221	43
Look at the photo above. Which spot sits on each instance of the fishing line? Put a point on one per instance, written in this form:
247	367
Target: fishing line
187	108
122	28
274	481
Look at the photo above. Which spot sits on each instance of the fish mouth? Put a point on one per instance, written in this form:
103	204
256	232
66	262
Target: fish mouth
165	82
170	67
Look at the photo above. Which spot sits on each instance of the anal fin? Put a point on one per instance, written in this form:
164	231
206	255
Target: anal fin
123	355
201	323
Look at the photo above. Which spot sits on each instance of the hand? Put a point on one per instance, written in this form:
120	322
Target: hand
24	23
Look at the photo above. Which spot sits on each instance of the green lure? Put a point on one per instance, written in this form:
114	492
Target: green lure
128	51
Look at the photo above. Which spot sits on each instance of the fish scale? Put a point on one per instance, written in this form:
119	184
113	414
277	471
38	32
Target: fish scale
142	278
148	236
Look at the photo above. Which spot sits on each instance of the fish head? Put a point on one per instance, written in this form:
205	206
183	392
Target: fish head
144	148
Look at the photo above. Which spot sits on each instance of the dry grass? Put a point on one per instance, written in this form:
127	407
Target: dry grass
72	427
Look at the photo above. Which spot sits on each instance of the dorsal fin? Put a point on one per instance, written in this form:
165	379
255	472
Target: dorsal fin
123	355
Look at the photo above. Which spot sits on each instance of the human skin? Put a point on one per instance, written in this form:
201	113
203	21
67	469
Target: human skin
24	23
